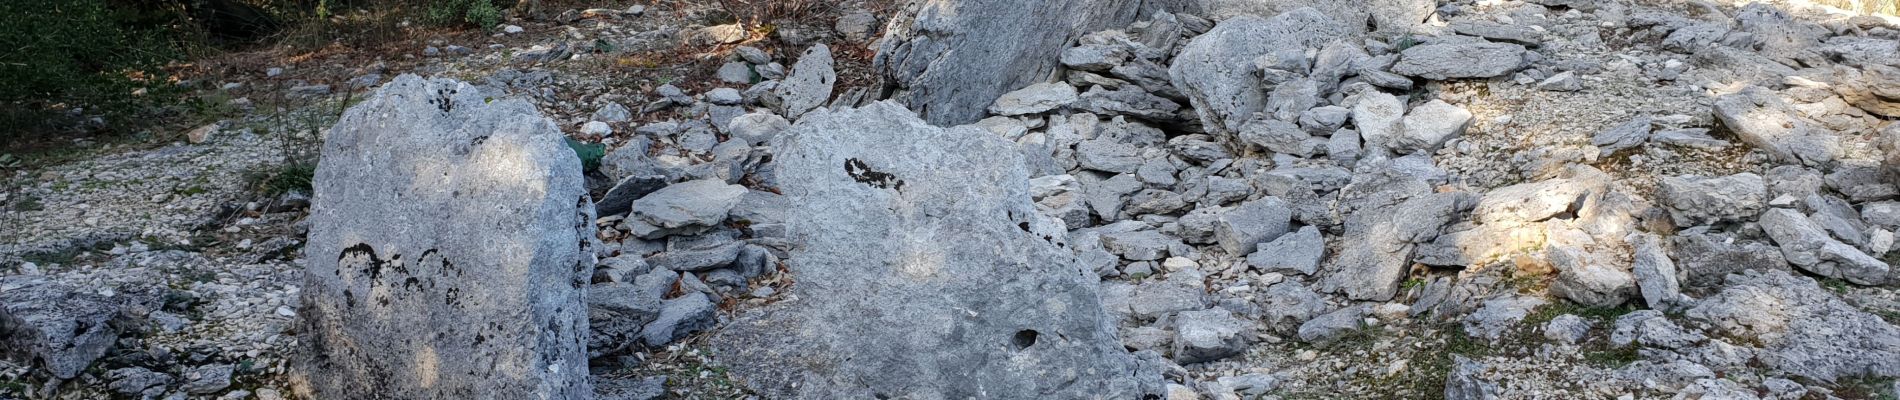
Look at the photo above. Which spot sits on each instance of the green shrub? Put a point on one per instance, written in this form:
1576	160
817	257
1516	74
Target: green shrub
64	55
480	13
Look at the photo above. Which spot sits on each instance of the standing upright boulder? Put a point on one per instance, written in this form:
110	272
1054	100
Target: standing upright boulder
924	272
950	59
810	83
448	248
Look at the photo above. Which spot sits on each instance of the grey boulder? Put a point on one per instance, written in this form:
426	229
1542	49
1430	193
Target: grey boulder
1392	211
1696	200
1499	314
1294	253
1211	70
208	378
688	314
57	328
1803	330
1208	335
1240	229
1379	117
1567	329
137	382
1465	381
1332	325
1431	124
1588	279
809	86
616	311
1622	136
1705	259
1761	118
435	207
1655	272
917	248
951	59
1808	246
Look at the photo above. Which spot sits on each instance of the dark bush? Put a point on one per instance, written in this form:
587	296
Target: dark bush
62	56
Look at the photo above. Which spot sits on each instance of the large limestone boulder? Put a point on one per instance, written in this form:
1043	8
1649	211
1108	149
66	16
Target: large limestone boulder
923	271
950	59
1216	70
448	249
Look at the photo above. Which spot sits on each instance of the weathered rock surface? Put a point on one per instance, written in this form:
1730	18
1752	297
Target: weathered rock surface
1460	60
1392	212
1705	259
57	328
1695	200
1803	329
1763	119
1208	335
1566	329
918	249
809	86
1588	279
1430	125
685	207
616	311
1498	314
1242	228
951	59
1382	16
1655	273
1214	70
1465	382
1298	252
1379	117
1035	98
435	207
1622	136
1808	246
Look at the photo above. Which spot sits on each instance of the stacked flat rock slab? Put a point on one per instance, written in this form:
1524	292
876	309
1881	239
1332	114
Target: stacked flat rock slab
951	59
924	271
448	249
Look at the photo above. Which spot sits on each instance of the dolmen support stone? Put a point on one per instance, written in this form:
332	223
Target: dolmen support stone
448	252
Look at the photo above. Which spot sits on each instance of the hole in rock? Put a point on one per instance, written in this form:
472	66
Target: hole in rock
1024	338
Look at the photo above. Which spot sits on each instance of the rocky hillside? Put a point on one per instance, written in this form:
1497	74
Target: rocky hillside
1003	199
